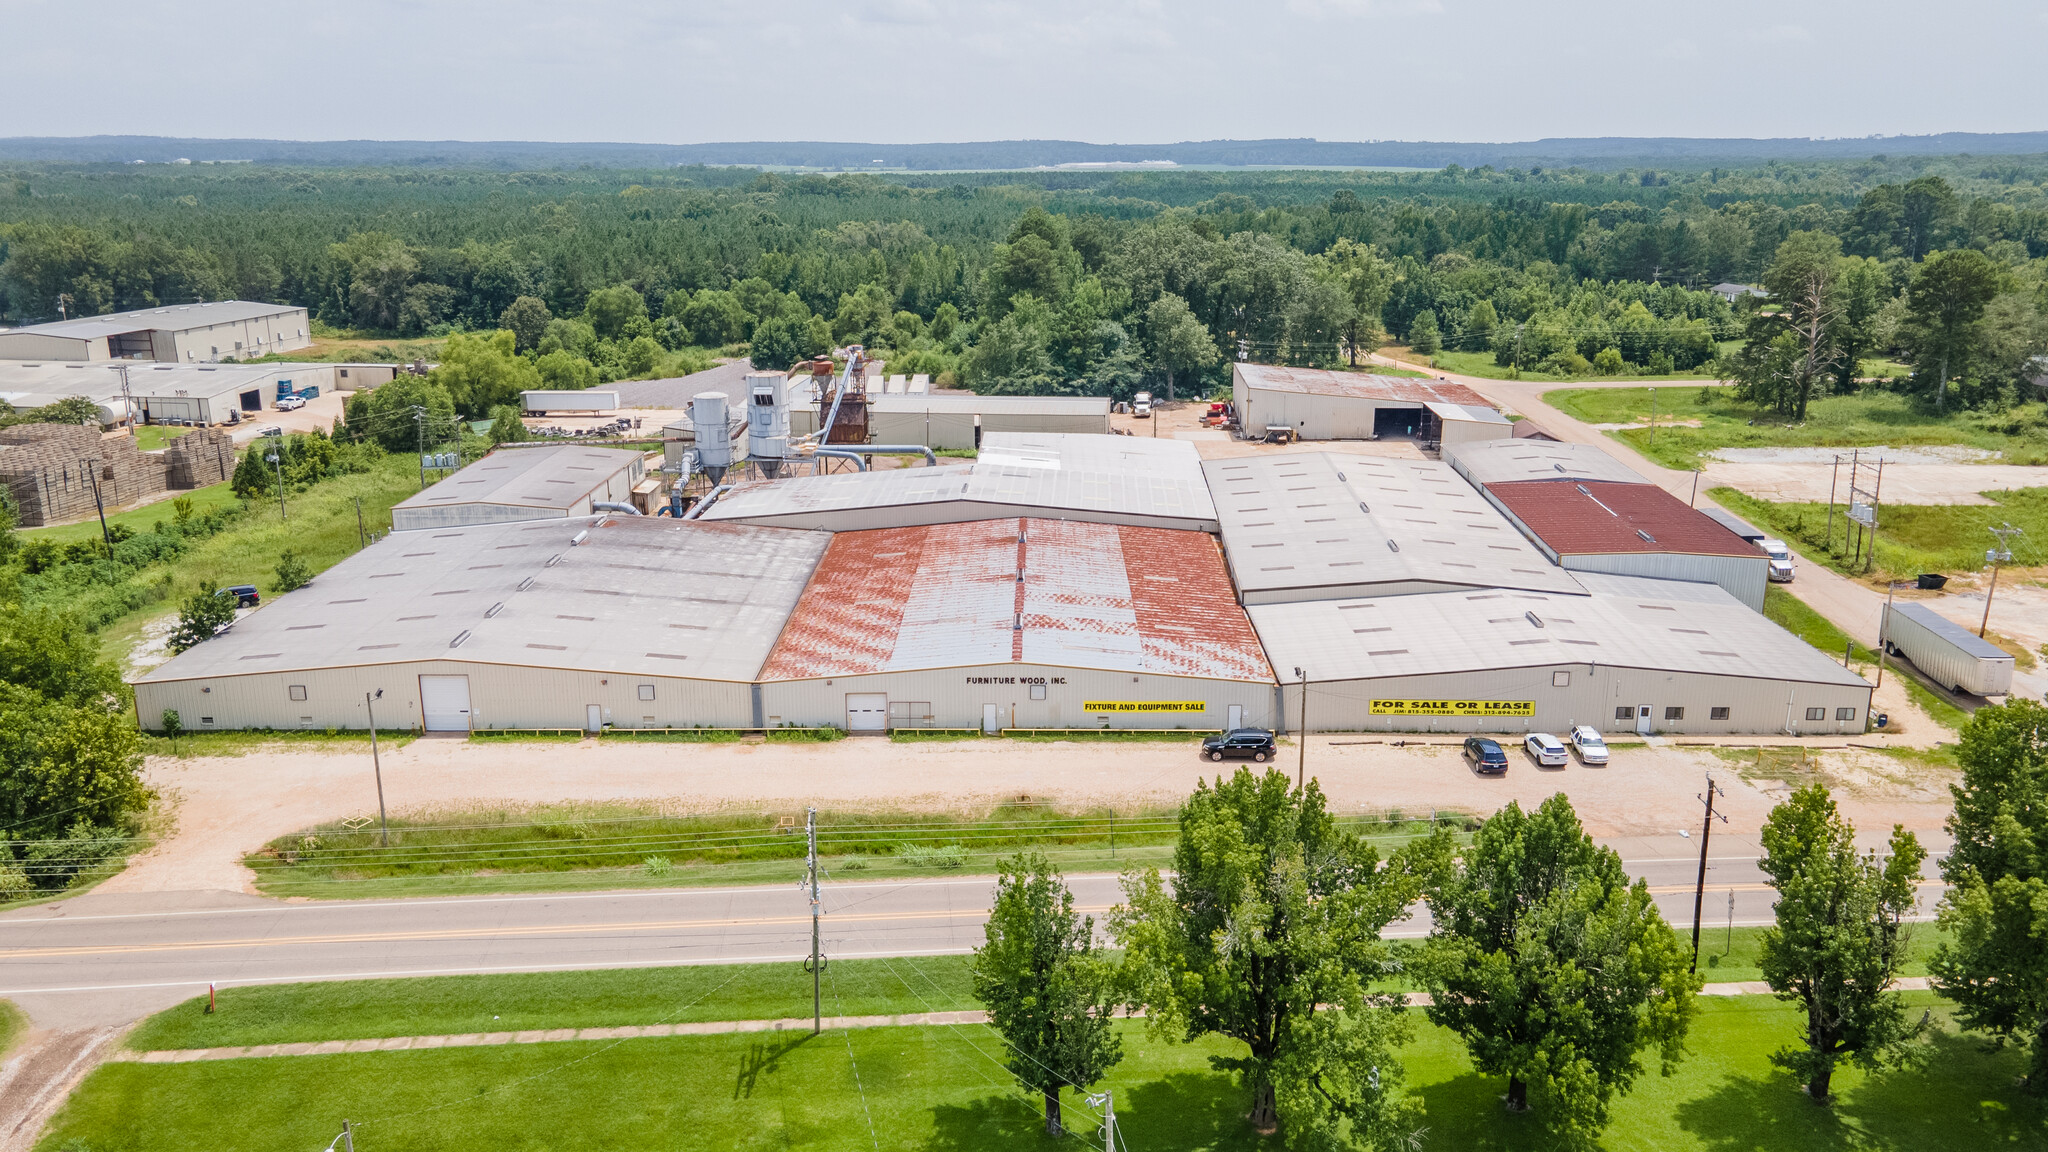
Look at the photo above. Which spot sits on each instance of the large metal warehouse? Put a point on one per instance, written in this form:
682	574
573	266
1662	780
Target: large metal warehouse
1632	530
1019	623
1104	479
963	422
163	393
1328	525
524	484
1630	655
1483	462
628	621
184	333
1323	405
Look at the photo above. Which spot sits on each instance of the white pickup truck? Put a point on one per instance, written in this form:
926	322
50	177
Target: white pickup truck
1781	560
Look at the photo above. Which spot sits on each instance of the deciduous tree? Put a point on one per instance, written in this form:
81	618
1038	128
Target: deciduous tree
527	319
1943	307
1180	344
205	613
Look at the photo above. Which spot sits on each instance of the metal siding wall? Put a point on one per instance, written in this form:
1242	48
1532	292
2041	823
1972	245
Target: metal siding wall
462	515
502	696
957	704
945	430
1740	576
1041	422
36	346
1755	706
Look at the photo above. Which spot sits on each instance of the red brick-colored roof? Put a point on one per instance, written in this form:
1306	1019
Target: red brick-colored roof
1109	596
1596	516
1400	389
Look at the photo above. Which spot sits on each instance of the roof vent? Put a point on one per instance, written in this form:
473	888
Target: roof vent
579	538
1365	508
1391	546
457	642
1582	489
1646	536
553	560
1534	619
525	584
1340	476
1559	467
494	609
1016	622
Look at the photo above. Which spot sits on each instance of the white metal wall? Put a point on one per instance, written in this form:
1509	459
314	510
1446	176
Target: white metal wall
1942	661
1743	577
501	696
942	429
37	346
1591	694
956	698
1313	416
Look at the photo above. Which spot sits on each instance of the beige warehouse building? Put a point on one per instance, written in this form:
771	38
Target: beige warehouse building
1316	404
551	481
580	623
180	333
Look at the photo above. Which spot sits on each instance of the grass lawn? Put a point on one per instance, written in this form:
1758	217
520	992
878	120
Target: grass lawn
241	742
13	1026
945	1088
1481	364
141	519
150	437
1864	419
1797	617
1911	538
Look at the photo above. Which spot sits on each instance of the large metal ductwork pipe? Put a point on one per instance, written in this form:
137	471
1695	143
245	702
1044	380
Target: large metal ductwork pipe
842	454
613	506
710	498
930	457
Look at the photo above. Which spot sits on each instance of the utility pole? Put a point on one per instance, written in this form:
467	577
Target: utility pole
817	965
1653	417
127	398
1998	556
1833	480
419	419
1694	502
1884	625
377	766
1108	1102
360	541
1301	737
277	458
1699	892
92	477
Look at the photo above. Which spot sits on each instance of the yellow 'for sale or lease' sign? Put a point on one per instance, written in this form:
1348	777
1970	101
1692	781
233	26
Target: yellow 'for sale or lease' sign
1144	706
1454	708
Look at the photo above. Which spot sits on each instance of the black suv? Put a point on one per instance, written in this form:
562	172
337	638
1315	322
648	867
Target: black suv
1256	743
245	595
1486	755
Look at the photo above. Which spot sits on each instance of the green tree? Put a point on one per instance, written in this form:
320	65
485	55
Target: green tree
293	573
10	518
207	611
506	426
564	370
1608	362
1423	334
527	319
481	372
1840	936
63	764
1944	305
1366	282
172	726
1994	966
639	356
1554	969
401	415
54	656
1269	934
782	340
379	270
609	310
1181	346
1048	991
714	318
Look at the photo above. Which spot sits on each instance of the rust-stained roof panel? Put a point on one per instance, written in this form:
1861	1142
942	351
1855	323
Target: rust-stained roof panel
1143	600
1600	516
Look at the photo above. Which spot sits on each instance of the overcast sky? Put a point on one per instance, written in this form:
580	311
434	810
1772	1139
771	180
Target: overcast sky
1107	71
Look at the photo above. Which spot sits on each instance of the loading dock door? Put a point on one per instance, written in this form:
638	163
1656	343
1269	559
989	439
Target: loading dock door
445	702
252	401
1396	422
867	711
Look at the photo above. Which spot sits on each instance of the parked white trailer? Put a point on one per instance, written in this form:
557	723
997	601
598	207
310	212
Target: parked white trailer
1947	652
542	401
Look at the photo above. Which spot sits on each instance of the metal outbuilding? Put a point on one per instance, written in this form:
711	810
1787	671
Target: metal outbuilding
551	481
1104	479
1630	655
1019	623
202	394
959	423
626	621
1323	405
1632	530
184	333
1328	525
1484	462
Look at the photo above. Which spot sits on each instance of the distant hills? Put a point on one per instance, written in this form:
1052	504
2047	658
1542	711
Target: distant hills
999	155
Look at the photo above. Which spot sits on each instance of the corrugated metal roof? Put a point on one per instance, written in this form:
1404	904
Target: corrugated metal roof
1599	516
1396	389
1100	596
1950	631
655	597
1622	621
100	380
555	477
1476	413
1328	519
175	318
1077	473
1734	523
1499	461
991	405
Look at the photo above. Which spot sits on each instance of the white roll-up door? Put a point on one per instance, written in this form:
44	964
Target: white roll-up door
445	702
867	711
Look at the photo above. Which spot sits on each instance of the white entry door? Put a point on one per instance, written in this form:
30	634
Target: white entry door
867	711
444	700
1236	717
991	719
1642	719
593	718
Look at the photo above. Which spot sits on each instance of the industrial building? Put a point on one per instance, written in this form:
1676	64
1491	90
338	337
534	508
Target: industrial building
961	422
627	621
179	333
1018	623
1483	462
1628	655
162	393
1328	525
1104	479
1316	404
543	482
1632	530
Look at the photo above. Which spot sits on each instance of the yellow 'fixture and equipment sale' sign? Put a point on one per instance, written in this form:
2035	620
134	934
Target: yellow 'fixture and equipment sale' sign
1144	706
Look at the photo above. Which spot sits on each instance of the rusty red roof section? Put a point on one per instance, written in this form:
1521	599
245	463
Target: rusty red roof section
1400	389
1145	600
1604	516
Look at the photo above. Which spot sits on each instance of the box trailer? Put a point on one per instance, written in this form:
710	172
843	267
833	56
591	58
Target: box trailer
1947	652
587	400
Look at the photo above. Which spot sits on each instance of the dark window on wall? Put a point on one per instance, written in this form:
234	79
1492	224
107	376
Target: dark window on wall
1845	713
1816	713
1625	712
1674	713
1718	714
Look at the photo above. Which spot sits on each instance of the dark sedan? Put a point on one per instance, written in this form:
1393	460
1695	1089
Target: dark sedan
1486	756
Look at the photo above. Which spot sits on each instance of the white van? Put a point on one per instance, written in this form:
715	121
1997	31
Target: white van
1781	560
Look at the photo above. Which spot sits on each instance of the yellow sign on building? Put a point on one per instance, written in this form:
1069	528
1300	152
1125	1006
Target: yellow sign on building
1144	706
1454	708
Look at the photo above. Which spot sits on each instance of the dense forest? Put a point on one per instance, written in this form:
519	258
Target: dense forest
1095	283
